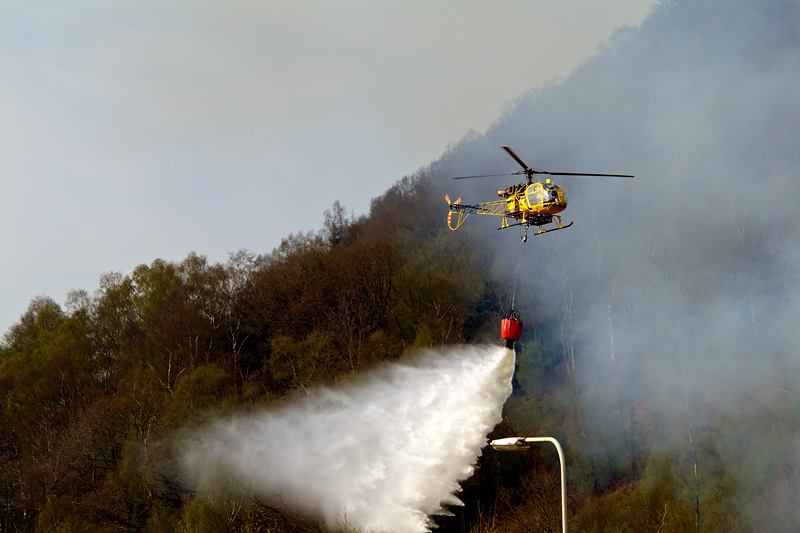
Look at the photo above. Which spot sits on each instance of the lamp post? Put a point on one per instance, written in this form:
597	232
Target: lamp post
515	444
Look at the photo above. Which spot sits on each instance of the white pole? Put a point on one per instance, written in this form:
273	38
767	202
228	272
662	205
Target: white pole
523	443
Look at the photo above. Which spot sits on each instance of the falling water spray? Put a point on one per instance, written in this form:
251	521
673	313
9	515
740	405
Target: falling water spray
386	453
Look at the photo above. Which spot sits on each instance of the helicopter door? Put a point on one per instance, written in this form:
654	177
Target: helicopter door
534	193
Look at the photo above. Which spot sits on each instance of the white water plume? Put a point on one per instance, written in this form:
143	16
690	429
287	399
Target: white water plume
386	452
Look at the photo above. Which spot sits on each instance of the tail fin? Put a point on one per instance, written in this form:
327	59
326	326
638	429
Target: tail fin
447	199
461	216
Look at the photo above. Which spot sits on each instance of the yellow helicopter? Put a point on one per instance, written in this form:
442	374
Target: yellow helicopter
528	204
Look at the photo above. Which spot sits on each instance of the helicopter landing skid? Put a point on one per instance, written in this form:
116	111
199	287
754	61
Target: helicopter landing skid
541	230
554	229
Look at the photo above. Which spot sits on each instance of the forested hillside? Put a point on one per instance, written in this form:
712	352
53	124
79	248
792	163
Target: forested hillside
660	346
95	392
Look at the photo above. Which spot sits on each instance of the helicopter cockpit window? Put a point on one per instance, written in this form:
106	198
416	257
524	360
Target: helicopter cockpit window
535	194
550	193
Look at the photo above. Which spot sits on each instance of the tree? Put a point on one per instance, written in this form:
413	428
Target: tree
358	293
297	364
43	314
336	223
203	389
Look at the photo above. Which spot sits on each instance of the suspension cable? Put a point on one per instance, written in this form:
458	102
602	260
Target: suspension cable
516	272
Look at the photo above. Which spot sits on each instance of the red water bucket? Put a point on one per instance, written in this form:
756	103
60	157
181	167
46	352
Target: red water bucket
510	330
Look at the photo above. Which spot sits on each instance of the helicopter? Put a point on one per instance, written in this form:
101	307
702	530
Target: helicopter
526	204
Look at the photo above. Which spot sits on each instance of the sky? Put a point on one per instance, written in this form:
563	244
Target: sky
136	130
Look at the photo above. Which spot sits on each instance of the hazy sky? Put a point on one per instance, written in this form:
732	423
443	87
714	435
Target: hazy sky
133	130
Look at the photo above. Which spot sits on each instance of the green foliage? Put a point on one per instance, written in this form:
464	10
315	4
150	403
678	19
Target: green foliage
230	510
442	290
163	519
294	364
42	316
61	515
203	389
152	284
221	513
139	403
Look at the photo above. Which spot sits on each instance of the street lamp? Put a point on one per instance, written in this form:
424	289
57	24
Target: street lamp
515	444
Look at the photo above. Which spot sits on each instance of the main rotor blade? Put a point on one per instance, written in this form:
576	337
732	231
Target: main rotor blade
582	174
486	176
515	156
529	170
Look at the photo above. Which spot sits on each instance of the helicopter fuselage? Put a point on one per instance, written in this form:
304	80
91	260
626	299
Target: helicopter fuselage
525	202
532	204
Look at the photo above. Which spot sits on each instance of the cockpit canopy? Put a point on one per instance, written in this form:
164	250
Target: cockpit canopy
545	194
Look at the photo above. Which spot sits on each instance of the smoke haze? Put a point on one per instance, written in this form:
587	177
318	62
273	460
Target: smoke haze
696	259
675	293
385	453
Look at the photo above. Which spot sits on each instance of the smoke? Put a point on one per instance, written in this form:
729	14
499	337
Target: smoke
695	261
385	453
683	276
675	293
